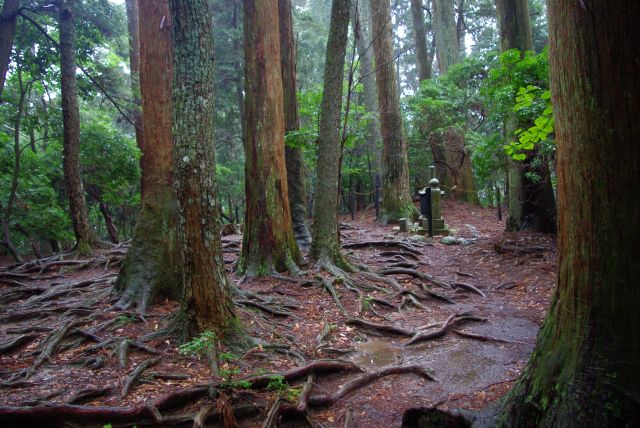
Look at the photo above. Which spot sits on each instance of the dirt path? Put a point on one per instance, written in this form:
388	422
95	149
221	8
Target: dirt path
515	274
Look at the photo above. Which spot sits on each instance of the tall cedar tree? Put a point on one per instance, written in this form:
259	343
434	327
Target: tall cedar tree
207	301
293	155
532	204
134	72
396	202
451	158
151	270
424	60
7	32
584	370
85	238
268	242
326	241
362	35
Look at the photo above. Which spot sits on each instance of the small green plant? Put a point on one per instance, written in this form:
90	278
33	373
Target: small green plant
366	303
200	345
227	357
277	384
124	320
107	426
293	394
227	374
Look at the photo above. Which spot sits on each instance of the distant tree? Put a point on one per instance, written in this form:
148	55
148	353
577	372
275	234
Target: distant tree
151	269
531	201
325	246
396	202
293	155
206	304
268	242
85	237
362	35
10	10
423	56
447	47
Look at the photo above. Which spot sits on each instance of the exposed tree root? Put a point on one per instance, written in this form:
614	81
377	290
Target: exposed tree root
87	394
365	379
421	335
469	287
135	374
13	344
384	244
402	254
484	338
383	328
416	274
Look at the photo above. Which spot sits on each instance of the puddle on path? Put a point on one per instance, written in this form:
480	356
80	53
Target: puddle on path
375	354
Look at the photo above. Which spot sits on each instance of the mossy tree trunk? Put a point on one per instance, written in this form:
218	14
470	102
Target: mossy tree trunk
532	204
326	240
584	370
396	199
134	73
362	34
293	155
151	270
207	301
268	242
85	238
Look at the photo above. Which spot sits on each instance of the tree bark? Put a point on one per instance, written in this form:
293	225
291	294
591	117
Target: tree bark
420	38
293	155
7	32
584	369
396	202
268	241
370	92
134	70
207	301
151	270
326	240
532	204
71	130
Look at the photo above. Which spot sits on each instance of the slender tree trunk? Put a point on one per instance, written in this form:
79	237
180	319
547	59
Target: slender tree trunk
237	64
151	270
532	204
584	370
207	301
134	69
420	38
7	32
17	153
359	11
396	202
460	27
293	155
268	241
326	239
71	133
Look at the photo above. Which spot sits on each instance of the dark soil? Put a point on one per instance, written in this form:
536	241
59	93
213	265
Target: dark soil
516	273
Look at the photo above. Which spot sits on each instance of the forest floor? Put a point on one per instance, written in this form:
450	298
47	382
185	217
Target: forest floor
67	358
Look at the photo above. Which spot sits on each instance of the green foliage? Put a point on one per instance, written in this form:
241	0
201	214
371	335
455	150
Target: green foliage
200	345
277	383
124	320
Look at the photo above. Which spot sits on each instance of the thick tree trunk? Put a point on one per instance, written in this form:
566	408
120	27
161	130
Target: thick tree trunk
420	38
446	34
326	240
268	241
532	204
7	32
396	202
293	155
71	133
151	270
359	12
584	370
207	301
134	70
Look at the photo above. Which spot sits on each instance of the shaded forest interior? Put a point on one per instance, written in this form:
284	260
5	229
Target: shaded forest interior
324	213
